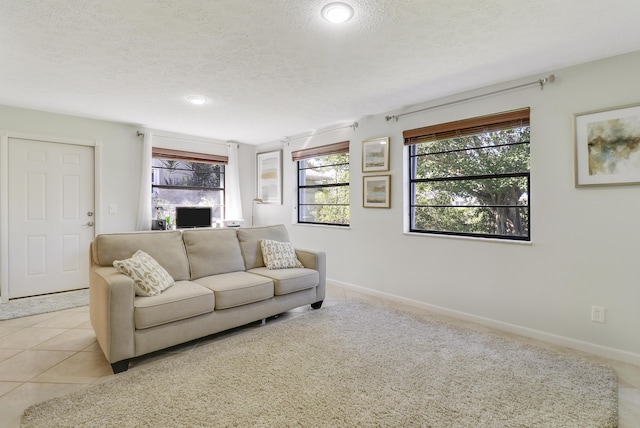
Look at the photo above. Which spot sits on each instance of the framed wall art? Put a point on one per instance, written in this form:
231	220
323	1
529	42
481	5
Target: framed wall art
376	191
375	154
607	146
269	175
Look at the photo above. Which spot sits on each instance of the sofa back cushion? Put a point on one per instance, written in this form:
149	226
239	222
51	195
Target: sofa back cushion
212	251
250	238
165	247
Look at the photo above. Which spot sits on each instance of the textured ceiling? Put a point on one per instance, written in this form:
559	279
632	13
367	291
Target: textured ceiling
274	68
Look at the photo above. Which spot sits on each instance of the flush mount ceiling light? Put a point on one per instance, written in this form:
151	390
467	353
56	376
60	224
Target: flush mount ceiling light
197	100
337	12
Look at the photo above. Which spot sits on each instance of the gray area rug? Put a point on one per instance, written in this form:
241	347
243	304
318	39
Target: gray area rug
27	306
349	365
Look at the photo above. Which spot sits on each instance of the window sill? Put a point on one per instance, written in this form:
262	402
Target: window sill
469	238
329	226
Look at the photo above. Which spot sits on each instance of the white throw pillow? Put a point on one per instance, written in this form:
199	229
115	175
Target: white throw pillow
279	255
150	278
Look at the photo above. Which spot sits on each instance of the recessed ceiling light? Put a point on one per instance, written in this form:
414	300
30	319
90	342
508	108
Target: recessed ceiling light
197	100
337	12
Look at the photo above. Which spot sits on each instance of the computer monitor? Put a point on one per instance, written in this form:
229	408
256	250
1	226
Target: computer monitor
190	217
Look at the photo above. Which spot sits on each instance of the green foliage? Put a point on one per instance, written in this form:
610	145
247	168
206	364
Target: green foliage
470	198
203	175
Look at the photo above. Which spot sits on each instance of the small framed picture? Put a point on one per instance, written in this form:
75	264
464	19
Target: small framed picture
376	191
375	154
269	175
607	146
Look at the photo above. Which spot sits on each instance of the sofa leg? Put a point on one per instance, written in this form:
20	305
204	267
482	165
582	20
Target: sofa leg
120	366
264	321
317	305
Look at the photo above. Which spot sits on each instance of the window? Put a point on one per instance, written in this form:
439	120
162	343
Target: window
323	184
185	179
471	177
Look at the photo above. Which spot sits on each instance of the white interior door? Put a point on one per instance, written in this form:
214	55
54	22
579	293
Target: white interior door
51	216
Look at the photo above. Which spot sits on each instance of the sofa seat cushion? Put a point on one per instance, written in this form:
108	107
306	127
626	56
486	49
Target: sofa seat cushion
185	299
238	288
287	281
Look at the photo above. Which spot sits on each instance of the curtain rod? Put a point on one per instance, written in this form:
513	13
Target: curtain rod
353	126
549	79
218	143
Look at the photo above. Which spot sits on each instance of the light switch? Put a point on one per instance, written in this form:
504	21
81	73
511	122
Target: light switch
113	209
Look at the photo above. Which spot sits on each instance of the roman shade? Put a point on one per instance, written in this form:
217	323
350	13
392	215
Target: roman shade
158	152
330	149
462	128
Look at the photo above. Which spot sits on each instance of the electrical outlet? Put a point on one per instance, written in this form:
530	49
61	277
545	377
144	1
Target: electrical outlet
597	314
113	209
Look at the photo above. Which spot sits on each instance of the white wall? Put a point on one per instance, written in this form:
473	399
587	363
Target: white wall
121	151
584	246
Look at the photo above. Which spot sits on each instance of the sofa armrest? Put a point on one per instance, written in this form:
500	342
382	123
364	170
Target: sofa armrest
316	260
111	297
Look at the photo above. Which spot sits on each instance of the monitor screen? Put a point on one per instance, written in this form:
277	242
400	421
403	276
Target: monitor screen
187	217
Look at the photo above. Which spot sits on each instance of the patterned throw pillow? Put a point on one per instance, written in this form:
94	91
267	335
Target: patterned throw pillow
150	278
279	255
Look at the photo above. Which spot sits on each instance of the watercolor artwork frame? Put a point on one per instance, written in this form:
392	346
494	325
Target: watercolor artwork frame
606	146
376	191
269	177
375	154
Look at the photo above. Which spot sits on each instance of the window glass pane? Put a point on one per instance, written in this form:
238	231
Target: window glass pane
320	161
326	214
169	199
324	175
485	192
475	162
324	170
168	172
507	136
511	221
501	152
324	195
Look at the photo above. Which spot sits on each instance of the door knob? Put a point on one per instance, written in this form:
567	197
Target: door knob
90	224
90	213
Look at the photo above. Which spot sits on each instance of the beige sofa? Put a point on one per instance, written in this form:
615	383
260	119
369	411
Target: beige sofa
221	282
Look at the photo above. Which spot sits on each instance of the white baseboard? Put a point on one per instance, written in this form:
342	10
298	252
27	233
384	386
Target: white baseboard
591	348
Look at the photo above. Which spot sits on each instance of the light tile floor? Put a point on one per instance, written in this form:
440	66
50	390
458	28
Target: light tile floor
48	355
